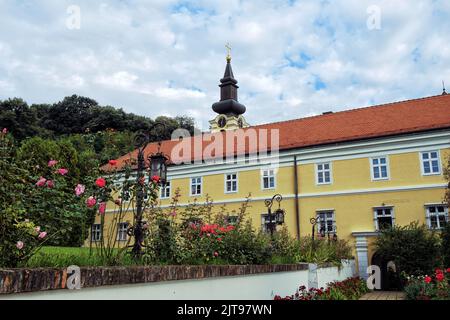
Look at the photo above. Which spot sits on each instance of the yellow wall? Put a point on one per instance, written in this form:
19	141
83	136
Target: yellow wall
353	211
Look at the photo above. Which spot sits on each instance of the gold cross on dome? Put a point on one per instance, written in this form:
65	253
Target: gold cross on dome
228	51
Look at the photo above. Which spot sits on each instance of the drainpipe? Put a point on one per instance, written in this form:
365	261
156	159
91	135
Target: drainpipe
297	209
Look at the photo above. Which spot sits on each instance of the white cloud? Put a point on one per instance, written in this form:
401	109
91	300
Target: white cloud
166	57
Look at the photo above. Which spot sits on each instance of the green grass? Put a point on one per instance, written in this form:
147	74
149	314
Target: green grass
62	257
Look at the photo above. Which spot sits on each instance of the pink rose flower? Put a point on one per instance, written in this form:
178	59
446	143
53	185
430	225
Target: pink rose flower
5	130
102	208
90	202
62	171
79	189
19	245
50	184
52	163
42	235
216	254
41	182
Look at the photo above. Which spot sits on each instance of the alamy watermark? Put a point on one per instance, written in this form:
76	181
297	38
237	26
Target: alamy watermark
373	22
73	21
73	278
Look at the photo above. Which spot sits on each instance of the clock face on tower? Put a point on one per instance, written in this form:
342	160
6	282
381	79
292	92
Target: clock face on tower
222	122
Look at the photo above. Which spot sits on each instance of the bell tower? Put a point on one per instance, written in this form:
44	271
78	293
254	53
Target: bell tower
230	111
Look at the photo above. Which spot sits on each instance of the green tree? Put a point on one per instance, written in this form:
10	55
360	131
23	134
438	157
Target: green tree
414	248
20	120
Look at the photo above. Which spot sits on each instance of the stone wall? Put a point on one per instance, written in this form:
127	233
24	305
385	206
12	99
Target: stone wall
44	279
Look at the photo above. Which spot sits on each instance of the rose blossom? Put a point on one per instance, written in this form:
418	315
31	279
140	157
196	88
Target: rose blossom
79	189
42	235
216	254
102	208
100	182
52	163
90	202
62	171
440	277
428	279
156	179
113	162
50	184
19	245
5	130
41	182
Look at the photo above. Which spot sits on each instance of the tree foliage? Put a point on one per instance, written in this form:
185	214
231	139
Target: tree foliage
414	248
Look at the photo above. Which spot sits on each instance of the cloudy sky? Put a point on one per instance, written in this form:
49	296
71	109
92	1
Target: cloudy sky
165	57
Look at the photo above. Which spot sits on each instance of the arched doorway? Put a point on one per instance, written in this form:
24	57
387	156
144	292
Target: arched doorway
389	276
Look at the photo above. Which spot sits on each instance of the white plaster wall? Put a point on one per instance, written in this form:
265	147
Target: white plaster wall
249	287
327	275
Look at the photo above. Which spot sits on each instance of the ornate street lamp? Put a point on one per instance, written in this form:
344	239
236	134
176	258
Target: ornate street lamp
276	218
158	167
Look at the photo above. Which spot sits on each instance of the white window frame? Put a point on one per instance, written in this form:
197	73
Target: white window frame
430	160
265	222
99	232
129	199
196	184
163	190
330	170
375	216
372	168
268	176
333	221
428	215
225	178
121	231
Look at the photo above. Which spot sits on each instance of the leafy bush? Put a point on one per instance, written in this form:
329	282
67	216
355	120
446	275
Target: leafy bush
349	289
445	235
434	287
414	249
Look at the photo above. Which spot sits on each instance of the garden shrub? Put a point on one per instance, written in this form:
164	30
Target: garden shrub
349	289
414	248
445	235
435	286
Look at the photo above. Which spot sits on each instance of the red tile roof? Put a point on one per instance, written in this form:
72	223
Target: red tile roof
370	122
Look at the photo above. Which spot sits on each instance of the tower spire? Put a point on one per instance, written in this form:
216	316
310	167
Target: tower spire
230	111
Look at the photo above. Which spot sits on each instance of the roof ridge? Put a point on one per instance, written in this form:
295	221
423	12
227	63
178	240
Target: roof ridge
348	110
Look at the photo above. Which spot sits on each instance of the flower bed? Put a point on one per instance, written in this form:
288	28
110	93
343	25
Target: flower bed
434	287
349	289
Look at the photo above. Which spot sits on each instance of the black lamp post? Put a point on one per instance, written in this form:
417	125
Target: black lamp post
276	218
158	167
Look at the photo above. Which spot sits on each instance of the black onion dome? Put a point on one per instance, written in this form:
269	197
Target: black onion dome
228	103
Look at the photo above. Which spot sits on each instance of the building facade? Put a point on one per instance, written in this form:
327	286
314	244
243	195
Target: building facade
359	170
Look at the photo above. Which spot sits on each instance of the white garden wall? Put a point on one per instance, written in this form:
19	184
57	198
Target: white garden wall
246	287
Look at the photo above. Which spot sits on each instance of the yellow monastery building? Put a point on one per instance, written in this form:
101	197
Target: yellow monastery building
358	170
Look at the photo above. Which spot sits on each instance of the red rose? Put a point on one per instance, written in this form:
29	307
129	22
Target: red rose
100	182
156	179
439	271
113	162
427	279
440	277
448	270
